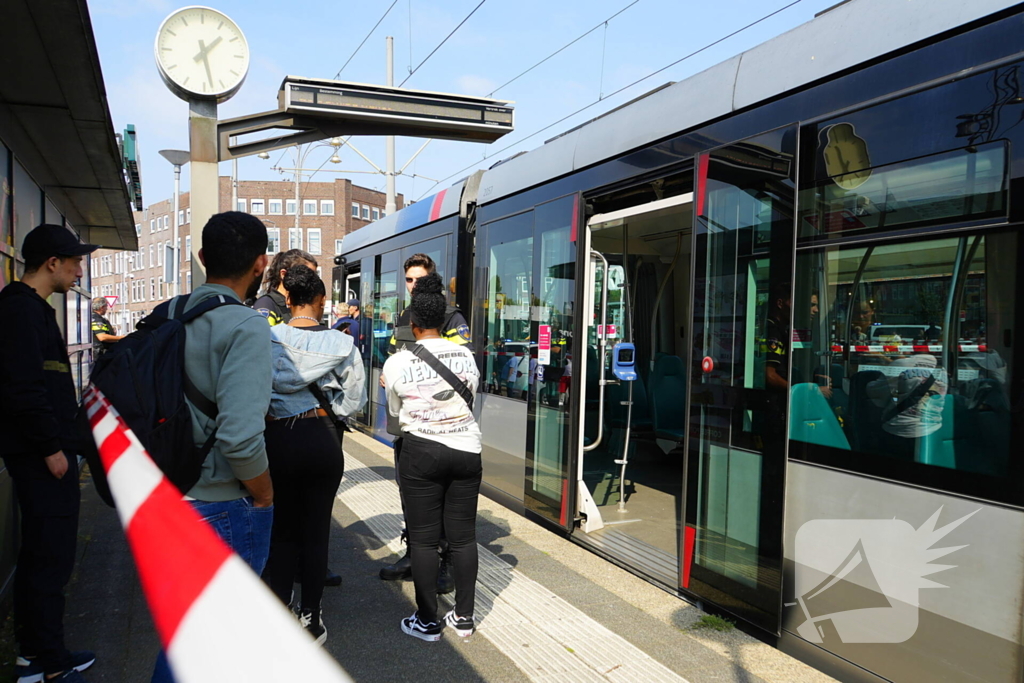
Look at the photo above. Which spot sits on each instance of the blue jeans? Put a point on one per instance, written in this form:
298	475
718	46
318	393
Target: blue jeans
242	526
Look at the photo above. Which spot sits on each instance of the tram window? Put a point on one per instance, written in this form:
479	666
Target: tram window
903	361
505	275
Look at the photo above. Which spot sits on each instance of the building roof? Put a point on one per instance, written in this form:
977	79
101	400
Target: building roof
54	116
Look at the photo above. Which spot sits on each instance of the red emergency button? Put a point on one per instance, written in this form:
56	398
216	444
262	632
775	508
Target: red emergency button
708	364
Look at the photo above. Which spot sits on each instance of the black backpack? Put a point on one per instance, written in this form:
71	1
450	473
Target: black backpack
143	376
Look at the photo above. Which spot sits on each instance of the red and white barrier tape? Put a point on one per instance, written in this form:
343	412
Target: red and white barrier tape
908	348
216	619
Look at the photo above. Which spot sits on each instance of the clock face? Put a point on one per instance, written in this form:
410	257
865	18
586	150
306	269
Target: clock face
201	54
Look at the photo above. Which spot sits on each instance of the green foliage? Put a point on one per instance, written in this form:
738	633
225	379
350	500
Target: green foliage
712	622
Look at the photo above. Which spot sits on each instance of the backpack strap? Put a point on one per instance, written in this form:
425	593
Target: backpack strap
445	372
176	310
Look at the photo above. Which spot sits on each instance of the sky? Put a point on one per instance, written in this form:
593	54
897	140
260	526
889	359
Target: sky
502	39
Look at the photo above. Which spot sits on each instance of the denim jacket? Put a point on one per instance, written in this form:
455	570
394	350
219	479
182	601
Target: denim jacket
328	358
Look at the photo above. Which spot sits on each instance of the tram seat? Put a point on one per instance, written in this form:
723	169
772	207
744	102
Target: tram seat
667	398
975	433
864	426
840	399
940	448
811	419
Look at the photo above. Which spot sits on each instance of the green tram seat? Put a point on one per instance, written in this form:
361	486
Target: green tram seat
811	419
667	398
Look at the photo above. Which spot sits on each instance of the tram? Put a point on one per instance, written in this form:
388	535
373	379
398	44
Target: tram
753	336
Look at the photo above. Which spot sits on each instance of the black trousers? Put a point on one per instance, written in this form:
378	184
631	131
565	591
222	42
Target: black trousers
49	532
440	487
306	466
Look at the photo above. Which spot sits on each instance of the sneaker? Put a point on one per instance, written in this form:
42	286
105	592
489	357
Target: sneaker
314	624
414	627
445	582
463	626
27	670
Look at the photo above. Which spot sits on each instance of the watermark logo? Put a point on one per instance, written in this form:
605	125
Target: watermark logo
859	580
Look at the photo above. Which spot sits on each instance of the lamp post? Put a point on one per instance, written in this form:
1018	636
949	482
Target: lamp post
300	158
125	323
178	158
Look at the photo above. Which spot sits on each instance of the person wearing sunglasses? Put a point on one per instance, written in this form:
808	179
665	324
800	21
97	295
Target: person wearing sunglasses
454	329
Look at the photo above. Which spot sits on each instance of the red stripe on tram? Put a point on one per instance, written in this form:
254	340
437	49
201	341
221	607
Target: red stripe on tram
689	538
575	218
702	182
563	516
435	207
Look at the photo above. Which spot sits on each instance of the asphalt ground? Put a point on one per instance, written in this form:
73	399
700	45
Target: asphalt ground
107	613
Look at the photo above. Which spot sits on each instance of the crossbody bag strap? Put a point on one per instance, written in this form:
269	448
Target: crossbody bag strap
445	372
910	399
315	389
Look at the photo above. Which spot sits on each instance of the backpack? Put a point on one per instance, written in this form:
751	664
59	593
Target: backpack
143	376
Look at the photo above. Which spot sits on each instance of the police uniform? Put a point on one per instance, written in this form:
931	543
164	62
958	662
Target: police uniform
455	330
776	350
101	325
273	307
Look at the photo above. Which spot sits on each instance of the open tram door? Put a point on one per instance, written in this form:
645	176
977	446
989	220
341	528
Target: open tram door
740	366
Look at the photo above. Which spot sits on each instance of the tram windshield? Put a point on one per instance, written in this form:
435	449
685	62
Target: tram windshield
904	351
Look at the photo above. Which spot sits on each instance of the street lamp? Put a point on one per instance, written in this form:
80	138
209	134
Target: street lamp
300	158
178	158
125	320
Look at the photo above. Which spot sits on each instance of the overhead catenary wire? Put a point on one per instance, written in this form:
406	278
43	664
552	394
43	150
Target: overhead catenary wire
561	49
384	16
442	42
598	101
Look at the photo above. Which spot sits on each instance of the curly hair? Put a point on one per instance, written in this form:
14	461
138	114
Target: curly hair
428	304
284	260
303	285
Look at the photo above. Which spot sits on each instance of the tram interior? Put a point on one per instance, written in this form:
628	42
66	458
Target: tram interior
648	254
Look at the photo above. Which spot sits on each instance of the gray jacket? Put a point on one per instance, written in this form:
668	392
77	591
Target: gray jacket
327	357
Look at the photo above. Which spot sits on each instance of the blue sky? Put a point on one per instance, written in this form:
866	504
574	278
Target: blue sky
314	38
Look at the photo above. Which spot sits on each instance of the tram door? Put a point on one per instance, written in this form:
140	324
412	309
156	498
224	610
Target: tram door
633	376
735	474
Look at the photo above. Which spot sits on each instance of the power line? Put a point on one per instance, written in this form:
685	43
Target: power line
626	87
569	44
388	11
442	42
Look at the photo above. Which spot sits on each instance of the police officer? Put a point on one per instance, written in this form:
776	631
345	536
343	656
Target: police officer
456	330
273	305
103	336
39	446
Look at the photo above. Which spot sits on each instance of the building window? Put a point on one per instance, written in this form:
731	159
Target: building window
152	226
295	238
159	254
376	214
181	216
289	207
314	240
138	229
366	213
273	240
188	282
257	206
337	247
326	207
167	222
355	210
188	247
160	287
241	206
274	207
309	207
152	289
188	215
152	255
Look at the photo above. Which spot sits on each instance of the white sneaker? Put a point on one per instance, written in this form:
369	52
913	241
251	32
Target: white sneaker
463	626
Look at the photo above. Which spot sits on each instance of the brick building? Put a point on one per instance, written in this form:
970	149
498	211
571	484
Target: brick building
327	212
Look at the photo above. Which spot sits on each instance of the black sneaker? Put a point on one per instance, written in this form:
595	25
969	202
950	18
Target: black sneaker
463	626
414	627
399	570
313	622
28	670
445	582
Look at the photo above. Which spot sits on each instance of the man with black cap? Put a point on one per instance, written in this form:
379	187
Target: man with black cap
350	323
39	446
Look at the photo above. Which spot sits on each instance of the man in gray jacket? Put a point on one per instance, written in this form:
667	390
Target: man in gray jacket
227	357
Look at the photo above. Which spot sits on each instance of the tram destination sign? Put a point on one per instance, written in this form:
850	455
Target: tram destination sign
424	113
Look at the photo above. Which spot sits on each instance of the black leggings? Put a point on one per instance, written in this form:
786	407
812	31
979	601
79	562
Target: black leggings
440	488
306	465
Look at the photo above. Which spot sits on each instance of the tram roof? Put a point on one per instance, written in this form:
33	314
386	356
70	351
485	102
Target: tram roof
841	38
441	205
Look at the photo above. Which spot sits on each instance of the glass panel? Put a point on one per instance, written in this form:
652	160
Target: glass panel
367	283
504	327
912	361
53	215
964	184
436	249
28	204
385	311
735	473
6	188
553	310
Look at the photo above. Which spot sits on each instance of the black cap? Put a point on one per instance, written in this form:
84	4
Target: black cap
53	240
353	302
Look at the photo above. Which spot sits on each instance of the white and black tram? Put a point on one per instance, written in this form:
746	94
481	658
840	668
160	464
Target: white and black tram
753	336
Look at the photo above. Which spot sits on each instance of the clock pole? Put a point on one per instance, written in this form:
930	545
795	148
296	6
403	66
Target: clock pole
205	183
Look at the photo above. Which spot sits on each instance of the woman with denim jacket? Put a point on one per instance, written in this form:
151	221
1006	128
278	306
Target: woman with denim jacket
304	441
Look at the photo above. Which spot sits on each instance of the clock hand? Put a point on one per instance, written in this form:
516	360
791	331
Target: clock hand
205	49
202	55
